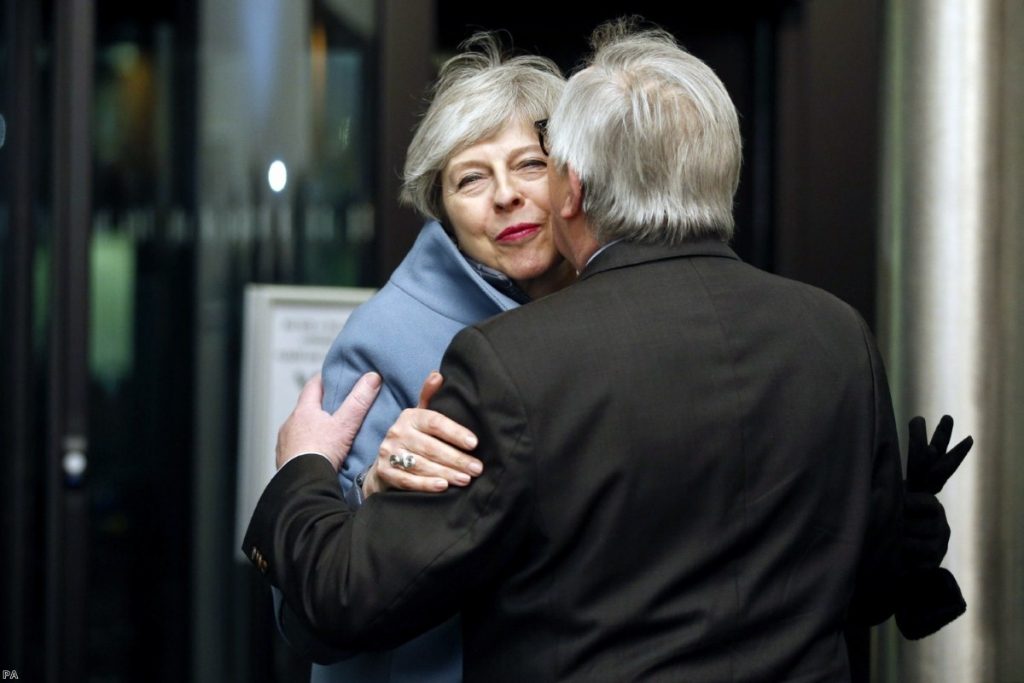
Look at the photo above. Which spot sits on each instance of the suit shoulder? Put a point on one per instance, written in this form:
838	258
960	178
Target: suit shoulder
814	299
839	326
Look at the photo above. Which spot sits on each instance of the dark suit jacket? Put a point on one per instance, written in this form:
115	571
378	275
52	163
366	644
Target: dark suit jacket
691	474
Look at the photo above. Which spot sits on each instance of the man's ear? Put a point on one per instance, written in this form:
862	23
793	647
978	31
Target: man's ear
572	206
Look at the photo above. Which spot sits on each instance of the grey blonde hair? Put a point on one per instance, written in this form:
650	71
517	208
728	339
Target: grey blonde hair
478	92
653	136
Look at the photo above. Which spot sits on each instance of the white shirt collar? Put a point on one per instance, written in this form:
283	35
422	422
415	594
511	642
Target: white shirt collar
603	247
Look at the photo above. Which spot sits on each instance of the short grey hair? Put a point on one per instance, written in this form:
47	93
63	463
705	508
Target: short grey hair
654	137
478	92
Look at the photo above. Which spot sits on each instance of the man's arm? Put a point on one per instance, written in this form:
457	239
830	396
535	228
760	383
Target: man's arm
312	432
880	567
358	587
348	358
930	597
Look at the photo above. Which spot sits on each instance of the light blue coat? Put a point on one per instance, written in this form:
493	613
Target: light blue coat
402	333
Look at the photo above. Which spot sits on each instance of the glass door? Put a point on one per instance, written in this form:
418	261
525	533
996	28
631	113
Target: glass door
25	149
233	143
154	159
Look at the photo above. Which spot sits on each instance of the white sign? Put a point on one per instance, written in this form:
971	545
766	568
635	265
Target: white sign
288	331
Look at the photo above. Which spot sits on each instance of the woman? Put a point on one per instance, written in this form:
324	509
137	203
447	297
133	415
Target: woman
476	166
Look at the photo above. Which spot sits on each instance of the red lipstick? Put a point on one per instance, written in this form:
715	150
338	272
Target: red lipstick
518	232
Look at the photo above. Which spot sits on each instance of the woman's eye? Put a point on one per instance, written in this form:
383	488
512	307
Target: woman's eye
534	163
467	180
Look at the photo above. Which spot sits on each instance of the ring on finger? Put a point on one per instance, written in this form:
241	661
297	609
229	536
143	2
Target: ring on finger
405	461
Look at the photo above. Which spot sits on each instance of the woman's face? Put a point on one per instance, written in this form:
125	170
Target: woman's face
495	194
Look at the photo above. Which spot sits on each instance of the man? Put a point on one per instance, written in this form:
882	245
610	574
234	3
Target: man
691	466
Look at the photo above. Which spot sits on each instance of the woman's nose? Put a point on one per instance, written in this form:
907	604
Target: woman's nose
507	195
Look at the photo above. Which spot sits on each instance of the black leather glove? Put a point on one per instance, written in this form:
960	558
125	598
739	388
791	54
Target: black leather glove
925	531
929	595
929	600
929	465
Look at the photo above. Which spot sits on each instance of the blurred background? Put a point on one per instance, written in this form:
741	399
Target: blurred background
156	157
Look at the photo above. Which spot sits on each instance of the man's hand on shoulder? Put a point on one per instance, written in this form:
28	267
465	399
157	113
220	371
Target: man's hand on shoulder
310	429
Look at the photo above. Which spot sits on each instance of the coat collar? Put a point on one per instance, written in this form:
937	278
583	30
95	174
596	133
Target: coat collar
437	275
625	254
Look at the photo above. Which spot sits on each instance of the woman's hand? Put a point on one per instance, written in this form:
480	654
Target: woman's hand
423	450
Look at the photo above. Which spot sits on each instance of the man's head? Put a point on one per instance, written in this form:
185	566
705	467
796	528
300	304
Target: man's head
649	137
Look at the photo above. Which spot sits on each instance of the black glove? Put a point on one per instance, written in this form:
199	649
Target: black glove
929	466
929	599
929	595
925	531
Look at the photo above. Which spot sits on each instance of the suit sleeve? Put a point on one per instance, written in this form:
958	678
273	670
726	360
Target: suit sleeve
405	561
346	362
879	570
